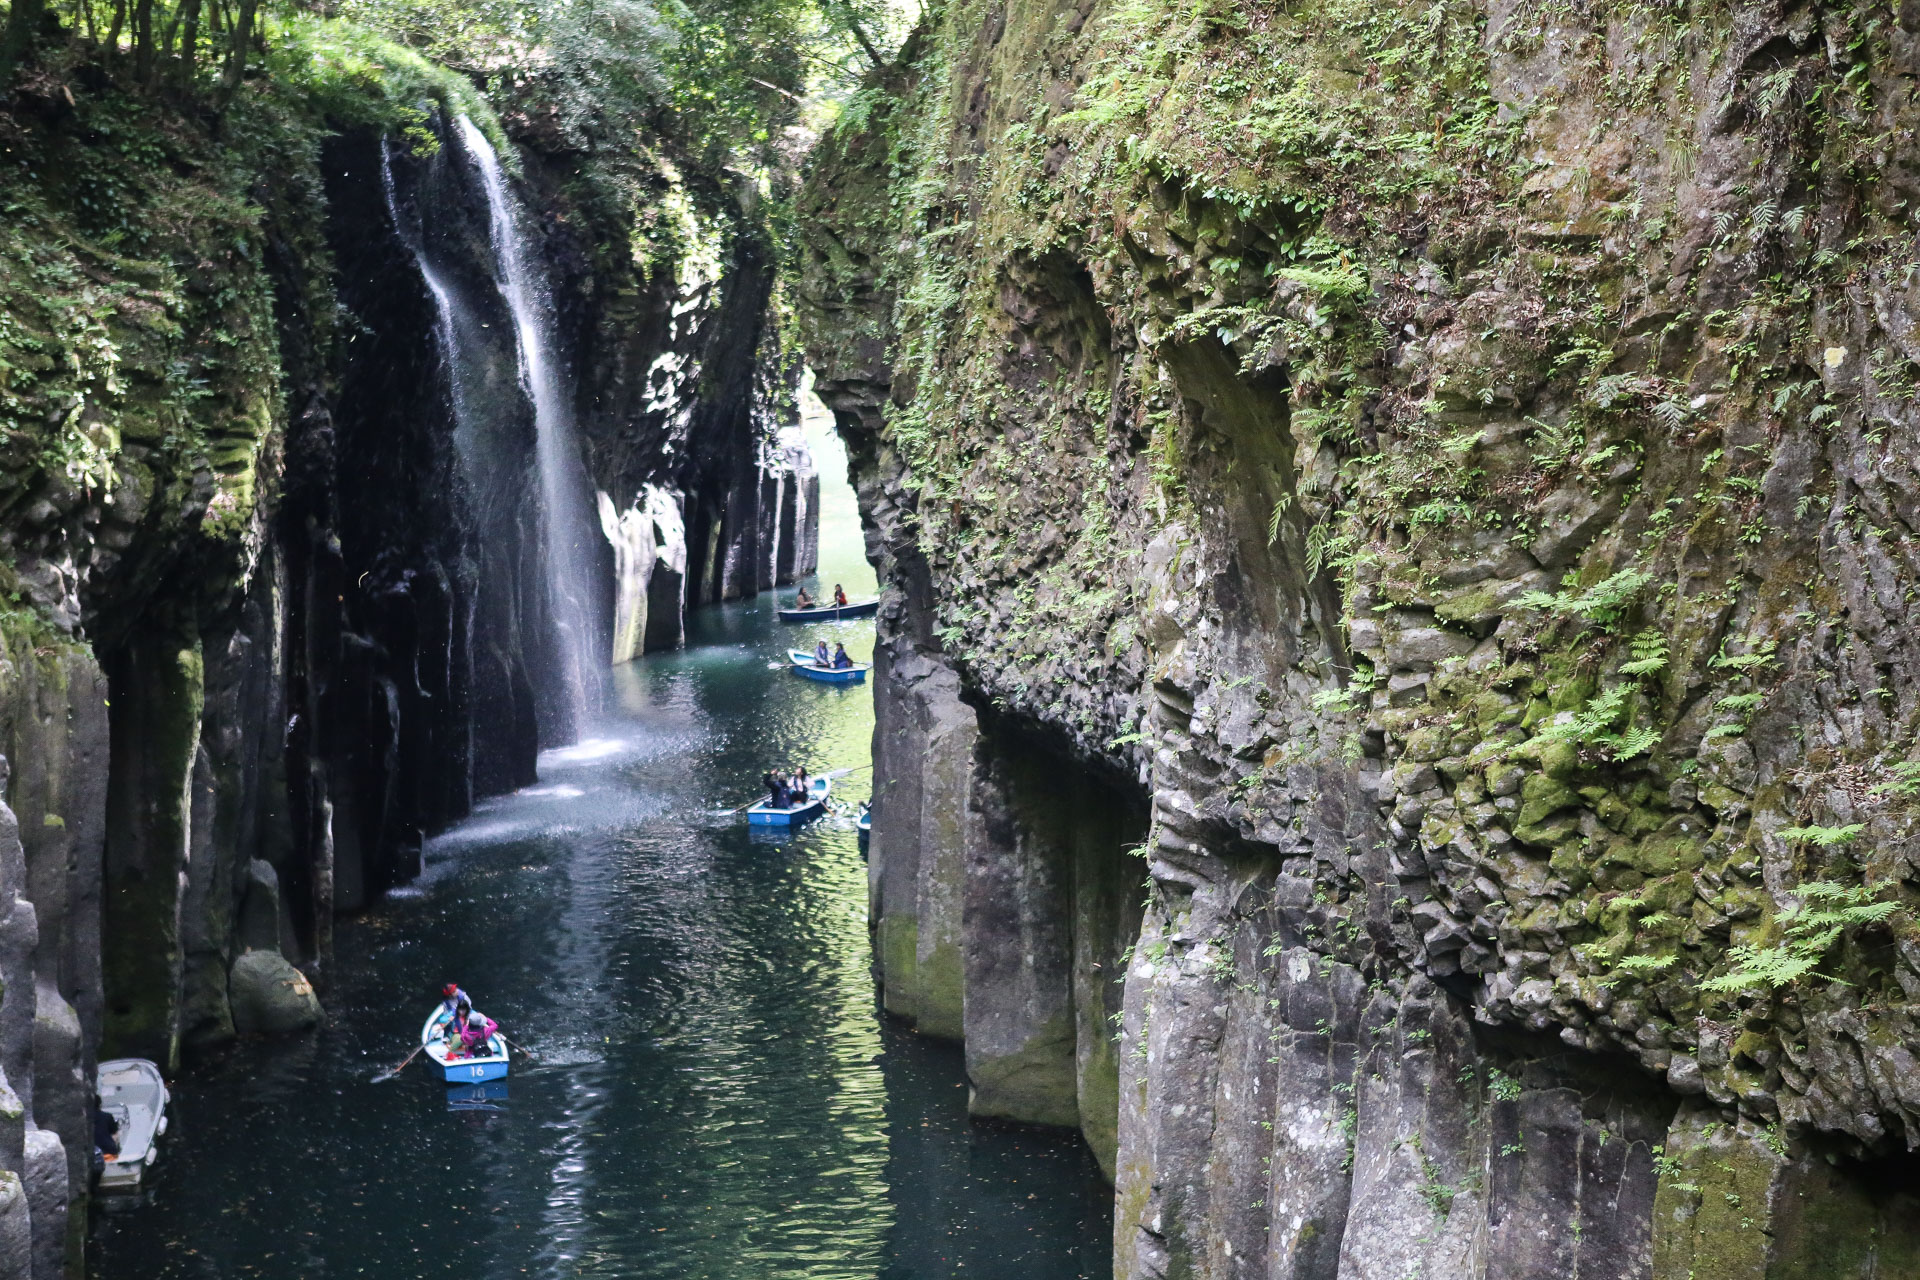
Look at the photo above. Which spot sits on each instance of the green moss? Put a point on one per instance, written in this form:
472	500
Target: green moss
1034	1084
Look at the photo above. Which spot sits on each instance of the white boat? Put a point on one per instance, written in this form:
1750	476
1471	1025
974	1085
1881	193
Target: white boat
132	1092
491	1065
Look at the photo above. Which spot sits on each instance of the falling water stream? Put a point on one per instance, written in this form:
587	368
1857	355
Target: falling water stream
567	496
717	1097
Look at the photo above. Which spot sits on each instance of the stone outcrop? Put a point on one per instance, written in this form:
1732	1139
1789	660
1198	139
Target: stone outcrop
270	996
1449	472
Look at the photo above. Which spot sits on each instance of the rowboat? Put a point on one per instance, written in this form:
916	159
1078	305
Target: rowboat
832	612
765	815
865	824
462	1069
804	664
132	1092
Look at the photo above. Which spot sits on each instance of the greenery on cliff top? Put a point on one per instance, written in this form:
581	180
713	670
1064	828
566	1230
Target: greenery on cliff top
150	151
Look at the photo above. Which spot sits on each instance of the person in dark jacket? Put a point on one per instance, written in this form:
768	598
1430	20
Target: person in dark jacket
106	1141
841	662
776	789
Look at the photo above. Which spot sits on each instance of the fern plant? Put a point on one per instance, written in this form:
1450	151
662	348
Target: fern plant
1808	931
1603	604
1649	650
1905	781
1597	725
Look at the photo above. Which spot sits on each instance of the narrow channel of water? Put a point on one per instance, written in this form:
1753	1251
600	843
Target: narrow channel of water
719	1099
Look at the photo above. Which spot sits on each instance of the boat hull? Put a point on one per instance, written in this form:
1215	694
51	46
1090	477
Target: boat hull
832	613
462	1070
767	816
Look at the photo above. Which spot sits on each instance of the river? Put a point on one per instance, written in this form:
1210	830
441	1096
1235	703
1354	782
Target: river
717	1097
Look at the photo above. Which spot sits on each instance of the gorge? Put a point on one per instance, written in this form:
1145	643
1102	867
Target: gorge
1389	717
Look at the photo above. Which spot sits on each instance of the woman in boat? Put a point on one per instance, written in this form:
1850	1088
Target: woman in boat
476	1030
450	1033
800	789
455	997
821	658
803	600
839	597
841	661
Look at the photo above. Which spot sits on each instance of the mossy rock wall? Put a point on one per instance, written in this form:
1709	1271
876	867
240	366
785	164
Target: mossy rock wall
1452	457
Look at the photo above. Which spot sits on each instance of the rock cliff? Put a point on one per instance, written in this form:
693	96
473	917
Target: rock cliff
275	604
1436	479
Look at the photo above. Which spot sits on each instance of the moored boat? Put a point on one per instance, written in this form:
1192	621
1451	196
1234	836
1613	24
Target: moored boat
832	612
804	664
132	1092
461	1069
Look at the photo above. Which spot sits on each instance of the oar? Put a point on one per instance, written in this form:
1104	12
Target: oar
841	773
522	1048
388	1075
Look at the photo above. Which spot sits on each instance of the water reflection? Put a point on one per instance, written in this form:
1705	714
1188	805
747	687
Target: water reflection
715	1096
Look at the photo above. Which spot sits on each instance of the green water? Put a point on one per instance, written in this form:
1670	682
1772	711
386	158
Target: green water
718	1096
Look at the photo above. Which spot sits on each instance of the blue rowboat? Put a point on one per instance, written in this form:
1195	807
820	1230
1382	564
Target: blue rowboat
832	613
461	1070
865	824
765	815
804	664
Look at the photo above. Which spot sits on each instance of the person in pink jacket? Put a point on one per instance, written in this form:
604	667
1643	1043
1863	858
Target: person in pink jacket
475	1030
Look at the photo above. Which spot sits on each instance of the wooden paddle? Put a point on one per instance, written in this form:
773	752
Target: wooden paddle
388	1075
522	1048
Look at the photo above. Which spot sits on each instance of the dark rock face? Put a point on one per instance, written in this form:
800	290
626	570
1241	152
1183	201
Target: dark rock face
262	654
1514	690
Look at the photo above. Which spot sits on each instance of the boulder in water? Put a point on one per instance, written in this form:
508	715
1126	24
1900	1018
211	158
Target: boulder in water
269	995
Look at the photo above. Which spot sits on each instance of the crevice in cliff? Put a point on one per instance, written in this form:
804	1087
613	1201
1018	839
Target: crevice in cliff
1240	453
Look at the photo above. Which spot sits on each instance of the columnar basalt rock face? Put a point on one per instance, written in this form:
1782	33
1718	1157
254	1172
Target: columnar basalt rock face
1450	459
277	611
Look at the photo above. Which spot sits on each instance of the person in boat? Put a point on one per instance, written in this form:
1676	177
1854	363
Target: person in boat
801	794
450	1031
776	789
106	1141
454	997
475	1031
841	660
803	600
821	658
839	597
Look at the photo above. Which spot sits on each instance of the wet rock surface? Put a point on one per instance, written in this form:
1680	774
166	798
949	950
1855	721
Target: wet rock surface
1500	613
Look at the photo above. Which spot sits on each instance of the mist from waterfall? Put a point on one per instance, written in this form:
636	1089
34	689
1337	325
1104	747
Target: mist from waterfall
569	526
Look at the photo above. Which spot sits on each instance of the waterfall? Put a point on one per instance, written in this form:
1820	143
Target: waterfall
569	528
